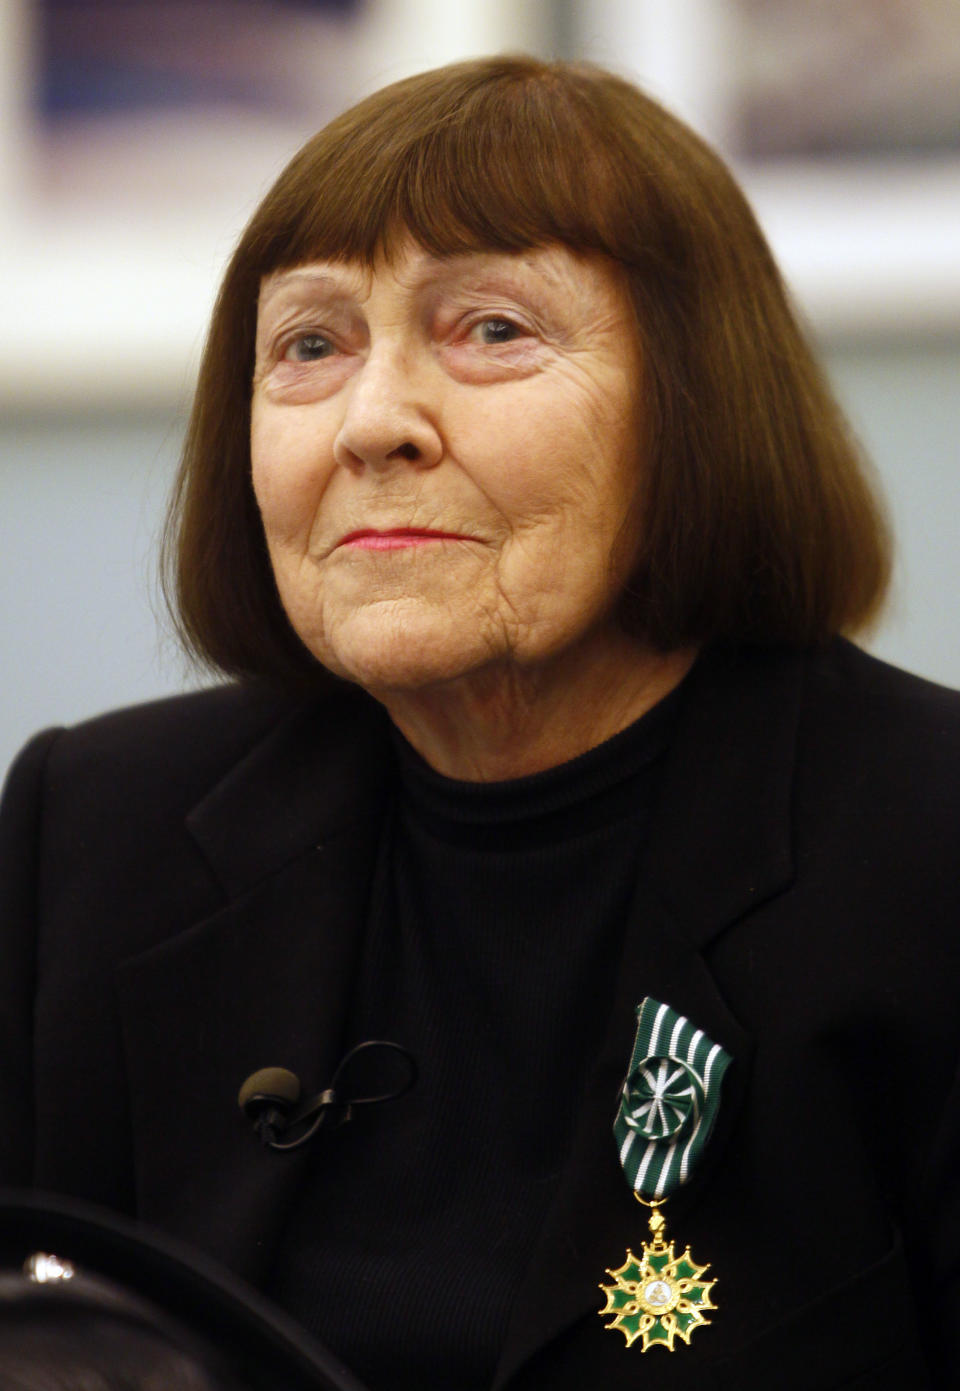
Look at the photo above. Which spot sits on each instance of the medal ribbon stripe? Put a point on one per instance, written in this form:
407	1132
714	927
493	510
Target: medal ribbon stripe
669	1100
715	1053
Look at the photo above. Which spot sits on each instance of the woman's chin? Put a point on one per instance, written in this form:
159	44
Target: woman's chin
408	659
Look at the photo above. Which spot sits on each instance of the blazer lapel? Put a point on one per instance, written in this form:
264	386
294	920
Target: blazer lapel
266	981
721	846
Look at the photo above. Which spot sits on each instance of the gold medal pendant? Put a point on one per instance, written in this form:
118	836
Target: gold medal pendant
658	1296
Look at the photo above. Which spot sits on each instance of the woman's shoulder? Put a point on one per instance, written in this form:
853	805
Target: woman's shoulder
834	695
879	747
833	731
857	670
181	743
203	724
872	701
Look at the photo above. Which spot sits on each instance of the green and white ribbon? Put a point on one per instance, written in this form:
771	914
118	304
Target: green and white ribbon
668	1101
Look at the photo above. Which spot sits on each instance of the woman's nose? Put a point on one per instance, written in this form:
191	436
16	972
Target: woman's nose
388	417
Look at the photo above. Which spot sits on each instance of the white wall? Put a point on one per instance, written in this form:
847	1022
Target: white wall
904	401
81	505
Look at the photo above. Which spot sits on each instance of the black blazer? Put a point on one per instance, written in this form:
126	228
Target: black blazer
183	889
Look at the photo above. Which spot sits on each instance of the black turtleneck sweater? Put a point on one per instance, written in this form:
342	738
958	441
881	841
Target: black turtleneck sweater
494	934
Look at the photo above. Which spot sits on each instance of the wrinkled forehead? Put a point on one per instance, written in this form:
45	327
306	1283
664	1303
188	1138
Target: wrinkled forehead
548	273
410	263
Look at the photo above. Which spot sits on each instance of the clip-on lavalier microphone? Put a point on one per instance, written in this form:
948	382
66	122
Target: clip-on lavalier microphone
270	1099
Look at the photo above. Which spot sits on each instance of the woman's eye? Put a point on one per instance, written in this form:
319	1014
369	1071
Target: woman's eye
494	331
309	347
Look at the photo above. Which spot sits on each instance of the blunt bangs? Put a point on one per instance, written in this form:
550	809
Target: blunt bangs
462	160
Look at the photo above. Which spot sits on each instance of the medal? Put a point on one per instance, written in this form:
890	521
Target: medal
658	1296
668	1105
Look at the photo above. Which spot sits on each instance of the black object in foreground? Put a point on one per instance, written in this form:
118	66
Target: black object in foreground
78	1282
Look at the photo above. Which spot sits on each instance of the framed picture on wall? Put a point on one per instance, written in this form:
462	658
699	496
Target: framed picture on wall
136	136
843	124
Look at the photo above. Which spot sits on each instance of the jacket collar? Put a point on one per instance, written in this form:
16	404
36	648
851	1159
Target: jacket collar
723	838
319	772
715	851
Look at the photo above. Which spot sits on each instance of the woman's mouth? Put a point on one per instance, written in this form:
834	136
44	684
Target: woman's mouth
397	538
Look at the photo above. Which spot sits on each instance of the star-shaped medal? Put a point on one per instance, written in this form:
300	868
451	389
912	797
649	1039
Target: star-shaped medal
658	1296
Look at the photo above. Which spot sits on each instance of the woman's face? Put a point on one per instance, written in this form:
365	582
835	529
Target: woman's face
445	458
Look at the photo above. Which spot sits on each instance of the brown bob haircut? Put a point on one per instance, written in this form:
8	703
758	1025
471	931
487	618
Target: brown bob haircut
757	520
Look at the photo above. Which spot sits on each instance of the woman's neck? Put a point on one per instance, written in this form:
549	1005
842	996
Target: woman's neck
508	722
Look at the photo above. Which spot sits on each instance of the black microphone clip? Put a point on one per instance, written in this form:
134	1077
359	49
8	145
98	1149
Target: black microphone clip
270	1099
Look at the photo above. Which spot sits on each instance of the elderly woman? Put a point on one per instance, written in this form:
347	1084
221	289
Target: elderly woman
525	525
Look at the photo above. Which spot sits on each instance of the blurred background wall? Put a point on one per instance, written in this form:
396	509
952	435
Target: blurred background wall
137	135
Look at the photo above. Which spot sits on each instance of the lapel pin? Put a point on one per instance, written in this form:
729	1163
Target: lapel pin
668	1105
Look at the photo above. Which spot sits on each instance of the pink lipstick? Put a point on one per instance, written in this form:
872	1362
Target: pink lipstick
397	538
